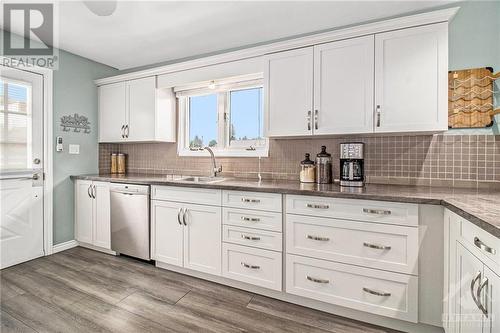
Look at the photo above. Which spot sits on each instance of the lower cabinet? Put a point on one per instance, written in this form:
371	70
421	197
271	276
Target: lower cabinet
187	235
92	213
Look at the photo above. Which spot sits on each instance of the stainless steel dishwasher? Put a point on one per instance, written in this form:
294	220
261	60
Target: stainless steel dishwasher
130	220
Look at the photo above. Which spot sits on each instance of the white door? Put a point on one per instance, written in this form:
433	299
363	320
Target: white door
83	211
343	86
289	93
411	79
469	317
142	109
491	302
101	215
112	112
203	239
168	232
21	166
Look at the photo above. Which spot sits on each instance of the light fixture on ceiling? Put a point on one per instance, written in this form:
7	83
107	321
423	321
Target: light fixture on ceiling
211	85
101	8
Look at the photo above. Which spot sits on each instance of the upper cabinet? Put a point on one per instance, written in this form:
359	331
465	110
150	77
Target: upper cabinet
411	79
135	111
388	82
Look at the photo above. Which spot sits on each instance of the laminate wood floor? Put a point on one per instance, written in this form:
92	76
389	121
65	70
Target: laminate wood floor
81	290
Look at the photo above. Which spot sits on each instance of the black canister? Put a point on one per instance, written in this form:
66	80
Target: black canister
323	167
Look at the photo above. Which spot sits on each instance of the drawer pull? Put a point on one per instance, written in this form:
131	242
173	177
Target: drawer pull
376	211
376	293
317	206
316	280
376	246
318	238
483	246
244	264
250	219
250	200
250	237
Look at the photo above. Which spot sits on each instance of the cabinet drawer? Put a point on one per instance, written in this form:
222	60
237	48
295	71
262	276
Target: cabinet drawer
250	265
253	219
354	209
481	240
389	294
388	247
253	200
263	239
186	194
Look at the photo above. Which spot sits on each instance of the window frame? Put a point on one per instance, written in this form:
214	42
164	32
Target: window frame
222	91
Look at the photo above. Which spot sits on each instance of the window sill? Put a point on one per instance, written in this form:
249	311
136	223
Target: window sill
224	153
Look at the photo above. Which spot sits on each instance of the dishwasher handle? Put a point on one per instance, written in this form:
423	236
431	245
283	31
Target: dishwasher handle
130	189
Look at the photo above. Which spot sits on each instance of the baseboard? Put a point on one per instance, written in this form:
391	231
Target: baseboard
64	246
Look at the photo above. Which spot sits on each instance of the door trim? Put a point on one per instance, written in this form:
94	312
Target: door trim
48	222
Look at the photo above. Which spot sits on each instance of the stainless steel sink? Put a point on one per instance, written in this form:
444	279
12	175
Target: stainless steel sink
202	180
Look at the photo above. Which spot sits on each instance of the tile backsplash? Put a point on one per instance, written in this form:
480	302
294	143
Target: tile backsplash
436	160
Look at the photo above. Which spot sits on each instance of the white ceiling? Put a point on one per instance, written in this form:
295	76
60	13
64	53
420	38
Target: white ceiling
145	32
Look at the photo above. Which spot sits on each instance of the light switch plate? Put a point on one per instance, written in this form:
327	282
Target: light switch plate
74	149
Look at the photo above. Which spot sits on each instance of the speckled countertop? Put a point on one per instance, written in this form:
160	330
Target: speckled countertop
481	207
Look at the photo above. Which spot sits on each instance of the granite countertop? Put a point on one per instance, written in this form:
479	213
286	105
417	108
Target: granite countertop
481	207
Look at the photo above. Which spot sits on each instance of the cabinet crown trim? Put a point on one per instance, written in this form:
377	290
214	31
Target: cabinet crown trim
437	16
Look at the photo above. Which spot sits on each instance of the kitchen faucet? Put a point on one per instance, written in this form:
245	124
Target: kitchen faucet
215	169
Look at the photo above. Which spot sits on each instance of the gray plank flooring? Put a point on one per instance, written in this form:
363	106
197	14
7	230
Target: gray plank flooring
81	290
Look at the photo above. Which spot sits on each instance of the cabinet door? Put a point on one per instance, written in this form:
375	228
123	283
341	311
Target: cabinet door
168	232
289	93
102	215
491	302
411	70
112	112
203	238
469	274
142	109
343	86
83	211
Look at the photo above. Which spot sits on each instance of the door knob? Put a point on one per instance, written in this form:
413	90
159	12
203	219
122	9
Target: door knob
36	161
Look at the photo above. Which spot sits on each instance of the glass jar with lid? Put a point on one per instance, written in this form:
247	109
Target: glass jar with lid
307	170
323	167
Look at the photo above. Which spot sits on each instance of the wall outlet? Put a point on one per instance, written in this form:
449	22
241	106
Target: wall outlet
74	149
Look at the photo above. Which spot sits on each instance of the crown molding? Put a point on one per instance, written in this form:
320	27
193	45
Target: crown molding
443	15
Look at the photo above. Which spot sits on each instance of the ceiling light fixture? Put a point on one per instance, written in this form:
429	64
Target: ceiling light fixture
211	85
101	8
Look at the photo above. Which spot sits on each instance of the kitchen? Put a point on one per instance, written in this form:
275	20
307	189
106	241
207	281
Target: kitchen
343	177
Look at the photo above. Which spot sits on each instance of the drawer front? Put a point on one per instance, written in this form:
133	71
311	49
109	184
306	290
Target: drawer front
253	219
481	240
388	247
389	294
252	200
262	239
250	265
187	194
354	209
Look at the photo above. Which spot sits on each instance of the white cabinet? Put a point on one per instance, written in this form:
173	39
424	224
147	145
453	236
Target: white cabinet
289	93
169	232
411	75
343	86
92	213
135	111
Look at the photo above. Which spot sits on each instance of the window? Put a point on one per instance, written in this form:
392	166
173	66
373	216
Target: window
226	116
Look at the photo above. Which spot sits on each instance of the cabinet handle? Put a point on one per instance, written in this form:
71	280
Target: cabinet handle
315	119
250	219
179	216
250	237
376	293
317	206
316	280
377	211
308	120
94	192
127	129
318	238
184	216
376	246
123	133
250	200
88	191
483	246
472	284
244	264
483	308
378	115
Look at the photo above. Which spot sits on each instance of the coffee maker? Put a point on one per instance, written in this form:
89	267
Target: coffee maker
351	164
